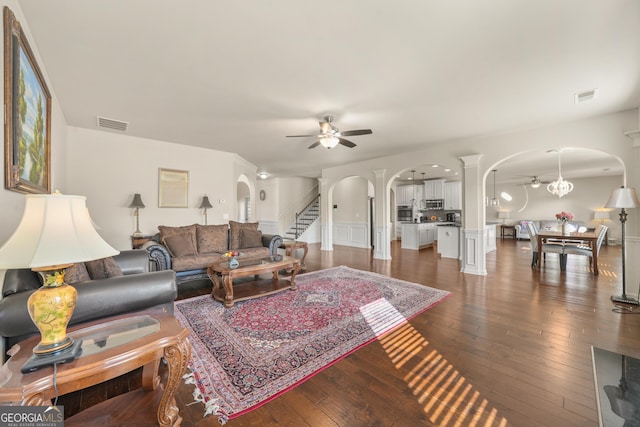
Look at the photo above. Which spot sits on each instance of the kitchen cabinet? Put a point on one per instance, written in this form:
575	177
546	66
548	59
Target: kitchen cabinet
417	236
452	195
434	189
490	234
405	194
449	241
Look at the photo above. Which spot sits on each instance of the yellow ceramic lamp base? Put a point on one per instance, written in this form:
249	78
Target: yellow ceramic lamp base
50	308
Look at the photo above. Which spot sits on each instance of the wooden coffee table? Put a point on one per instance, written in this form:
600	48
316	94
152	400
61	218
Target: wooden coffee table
110	347
222	277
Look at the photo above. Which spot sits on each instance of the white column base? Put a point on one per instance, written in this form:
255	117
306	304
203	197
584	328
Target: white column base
473	252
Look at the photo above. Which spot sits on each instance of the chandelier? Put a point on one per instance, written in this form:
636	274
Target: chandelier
560	187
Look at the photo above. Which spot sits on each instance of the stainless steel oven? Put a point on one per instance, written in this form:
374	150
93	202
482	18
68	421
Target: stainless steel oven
405	213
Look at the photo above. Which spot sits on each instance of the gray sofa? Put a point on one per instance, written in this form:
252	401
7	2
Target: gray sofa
189	250
546	225
137	289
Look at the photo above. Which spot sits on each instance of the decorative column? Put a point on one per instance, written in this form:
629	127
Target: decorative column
632	246
474	238
382	236
326	218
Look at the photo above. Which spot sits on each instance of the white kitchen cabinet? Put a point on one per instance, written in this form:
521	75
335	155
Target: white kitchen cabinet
417	236
434	189
490	244
449	241
453	195
405	194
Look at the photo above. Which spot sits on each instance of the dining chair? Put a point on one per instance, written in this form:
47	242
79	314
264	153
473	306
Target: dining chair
556	248
585	250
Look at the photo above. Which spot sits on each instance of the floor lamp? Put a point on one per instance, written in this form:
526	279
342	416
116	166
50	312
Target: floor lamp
623	198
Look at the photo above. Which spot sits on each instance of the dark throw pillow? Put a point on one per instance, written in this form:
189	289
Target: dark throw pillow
180	244
103	268
76	273
250	239
212	238
234	232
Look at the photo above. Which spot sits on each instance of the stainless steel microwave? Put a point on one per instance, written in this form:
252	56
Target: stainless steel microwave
433	204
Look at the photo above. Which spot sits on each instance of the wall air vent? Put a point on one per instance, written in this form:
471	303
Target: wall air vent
103	122
587	95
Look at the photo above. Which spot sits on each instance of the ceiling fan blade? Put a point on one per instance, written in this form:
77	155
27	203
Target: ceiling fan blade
356	132
314	145
299	136
346	143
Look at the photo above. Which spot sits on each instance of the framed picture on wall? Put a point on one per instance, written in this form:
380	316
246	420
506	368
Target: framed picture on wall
173	188
28	114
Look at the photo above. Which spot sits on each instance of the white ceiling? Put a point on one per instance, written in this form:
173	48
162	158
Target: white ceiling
239	76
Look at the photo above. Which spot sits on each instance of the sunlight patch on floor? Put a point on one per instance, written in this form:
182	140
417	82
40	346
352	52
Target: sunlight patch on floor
448	398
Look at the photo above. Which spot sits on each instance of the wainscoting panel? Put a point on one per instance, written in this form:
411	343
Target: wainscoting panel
351	234
268	227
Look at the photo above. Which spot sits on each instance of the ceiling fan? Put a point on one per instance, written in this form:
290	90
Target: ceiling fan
330	136
535	181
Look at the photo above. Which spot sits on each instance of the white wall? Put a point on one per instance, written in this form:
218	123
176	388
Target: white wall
351	217
12	203
108	168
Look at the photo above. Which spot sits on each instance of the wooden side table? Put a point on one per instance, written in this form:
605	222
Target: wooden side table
507	231
138	241
110	347
289	247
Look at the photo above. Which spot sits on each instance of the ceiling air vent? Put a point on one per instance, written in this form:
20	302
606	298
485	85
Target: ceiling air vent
587	95
103	122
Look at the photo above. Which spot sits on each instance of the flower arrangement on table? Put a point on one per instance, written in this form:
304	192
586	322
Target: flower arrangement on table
233	262
564	217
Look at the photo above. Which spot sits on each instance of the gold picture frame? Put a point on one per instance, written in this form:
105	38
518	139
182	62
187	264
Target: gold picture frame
27	104
173	188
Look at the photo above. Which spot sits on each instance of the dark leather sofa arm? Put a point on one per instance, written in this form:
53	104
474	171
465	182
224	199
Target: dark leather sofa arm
96	299
273	242
134	261
158	254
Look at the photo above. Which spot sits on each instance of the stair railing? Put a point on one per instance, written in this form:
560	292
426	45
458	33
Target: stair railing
288	216
299	214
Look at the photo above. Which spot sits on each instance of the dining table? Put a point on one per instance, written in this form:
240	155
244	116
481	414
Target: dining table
587	238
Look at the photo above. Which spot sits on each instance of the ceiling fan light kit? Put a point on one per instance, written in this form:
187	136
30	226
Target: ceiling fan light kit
330	136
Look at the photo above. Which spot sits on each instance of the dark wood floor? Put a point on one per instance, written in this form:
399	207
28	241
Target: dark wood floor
512	348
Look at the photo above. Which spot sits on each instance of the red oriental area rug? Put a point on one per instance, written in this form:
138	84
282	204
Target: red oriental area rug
245	356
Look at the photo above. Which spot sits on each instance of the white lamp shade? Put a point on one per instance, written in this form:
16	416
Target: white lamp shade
623	198
503	214
55	229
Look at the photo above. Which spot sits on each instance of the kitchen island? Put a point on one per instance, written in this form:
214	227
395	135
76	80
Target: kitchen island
418	235
449	241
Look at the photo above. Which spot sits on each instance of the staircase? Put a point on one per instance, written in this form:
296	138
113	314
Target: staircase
304	219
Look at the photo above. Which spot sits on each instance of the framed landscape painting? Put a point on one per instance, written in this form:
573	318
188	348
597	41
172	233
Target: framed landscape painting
28	114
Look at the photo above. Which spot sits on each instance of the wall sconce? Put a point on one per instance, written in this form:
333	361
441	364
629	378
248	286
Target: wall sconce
205	204
137	205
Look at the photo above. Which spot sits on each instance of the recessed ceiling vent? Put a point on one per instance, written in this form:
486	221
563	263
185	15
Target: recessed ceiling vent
586	96
103	122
